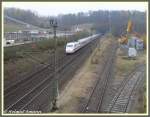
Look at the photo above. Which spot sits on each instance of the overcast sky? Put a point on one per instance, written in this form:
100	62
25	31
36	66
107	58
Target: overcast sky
55	8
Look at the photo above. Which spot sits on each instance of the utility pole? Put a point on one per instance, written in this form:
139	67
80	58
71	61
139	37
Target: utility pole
109	22
53	23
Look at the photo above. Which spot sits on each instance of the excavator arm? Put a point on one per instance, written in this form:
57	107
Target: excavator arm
124	39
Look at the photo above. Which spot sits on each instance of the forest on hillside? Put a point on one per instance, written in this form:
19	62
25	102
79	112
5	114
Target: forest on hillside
101	20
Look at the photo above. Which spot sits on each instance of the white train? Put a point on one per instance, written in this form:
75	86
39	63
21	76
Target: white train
72	47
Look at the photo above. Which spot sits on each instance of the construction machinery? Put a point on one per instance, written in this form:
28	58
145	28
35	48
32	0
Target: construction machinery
130	42
129	34
124	38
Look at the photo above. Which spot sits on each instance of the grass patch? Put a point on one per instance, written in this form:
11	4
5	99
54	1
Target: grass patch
102	46
11	27
145	95
142	97
124	65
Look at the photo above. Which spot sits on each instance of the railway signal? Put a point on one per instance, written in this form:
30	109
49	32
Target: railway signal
53	23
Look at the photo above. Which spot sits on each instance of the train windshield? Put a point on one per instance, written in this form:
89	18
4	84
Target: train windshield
70	45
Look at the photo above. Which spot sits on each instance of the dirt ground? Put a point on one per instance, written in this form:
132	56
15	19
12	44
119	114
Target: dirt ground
80	86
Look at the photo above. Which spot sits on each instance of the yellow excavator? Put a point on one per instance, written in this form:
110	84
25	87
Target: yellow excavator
131	41
129	32
124	38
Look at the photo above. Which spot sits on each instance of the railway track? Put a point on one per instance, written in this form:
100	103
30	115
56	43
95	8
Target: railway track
97	94
123	95
33	87
72	66
41	66
26	84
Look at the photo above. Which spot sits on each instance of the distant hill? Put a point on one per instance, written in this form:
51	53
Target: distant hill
12	25
26	16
